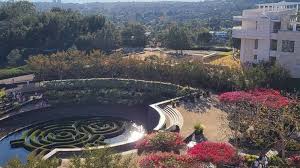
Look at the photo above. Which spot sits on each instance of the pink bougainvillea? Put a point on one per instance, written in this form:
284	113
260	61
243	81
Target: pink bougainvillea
160	141
294	160
169	160
217	153
266	97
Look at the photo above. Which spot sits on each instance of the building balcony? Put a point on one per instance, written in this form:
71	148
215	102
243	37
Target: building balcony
239	32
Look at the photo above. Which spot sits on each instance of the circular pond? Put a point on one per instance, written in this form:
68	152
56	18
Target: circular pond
92	129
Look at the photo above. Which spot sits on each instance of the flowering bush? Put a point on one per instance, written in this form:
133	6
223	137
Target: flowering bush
160	141
169	160
216	153
266	97
294	161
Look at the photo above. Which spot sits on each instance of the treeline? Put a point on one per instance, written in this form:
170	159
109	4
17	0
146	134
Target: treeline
215	14
77	64
25	31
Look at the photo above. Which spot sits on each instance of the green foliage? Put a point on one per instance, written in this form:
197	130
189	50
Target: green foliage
33	162
26	29
14	57
249	159
204	38
277	161
111	91
103	158
293	145
76	64
105	39
2	93
266	75
177	38
68	133
133	35
12	72
198	128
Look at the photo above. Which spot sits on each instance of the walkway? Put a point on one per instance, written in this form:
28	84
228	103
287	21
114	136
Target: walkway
206	112
18	79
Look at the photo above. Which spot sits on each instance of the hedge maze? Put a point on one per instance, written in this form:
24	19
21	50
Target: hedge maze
69	133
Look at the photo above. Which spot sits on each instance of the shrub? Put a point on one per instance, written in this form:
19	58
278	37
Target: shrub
169	160
160	141
102	158
13	72
294	161
249	159
293	145
198	128
217	153
33	162
266	97
276	161
111	91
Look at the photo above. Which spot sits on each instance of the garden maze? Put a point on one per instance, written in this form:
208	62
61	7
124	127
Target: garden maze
69	133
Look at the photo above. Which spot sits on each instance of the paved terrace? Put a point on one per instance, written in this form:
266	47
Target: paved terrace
206	112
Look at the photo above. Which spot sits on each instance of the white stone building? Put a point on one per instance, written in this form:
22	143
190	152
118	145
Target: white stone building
271	32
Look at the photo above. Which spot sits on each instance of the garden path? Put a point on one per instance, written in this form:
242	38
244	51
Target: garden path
207	112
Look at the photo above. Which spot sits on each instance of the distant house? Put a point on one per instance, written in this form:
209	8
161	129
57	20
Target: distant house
271	32
219	36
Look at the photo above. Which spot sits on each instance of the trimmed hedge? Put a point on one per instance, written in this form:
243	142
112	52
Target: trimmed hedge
111	91
92	131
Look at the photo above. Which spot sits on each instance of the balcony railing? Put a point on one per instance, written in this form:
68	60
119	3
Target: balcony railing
239	32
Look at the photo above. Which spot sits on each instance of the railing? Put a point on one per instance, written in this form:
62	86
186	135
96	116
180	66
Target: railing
171	113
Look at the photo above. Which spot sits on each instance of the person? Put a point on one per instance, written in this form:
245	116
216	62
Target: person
256	163
264	161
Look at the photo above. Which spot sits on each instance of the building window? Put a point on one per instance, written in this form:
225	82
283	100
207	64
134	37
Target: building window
276	27
288	46
256	44
255	57
273	46
298	27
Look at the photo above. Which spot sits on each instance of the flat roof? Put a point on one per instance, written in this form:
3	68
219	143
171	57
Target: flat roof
282	3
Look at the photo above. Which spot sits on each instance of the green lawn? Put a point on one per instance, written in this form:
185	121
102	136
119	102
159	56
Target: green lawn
13	72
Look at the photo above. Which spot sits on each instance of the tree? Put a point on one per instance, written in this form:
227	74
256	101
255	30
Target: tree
14	57
105	39
203	38
133	35
177	39
95	22
274	127
265	118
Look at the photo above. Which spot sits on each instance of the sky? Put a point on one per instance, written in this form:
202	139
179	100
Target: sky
89	1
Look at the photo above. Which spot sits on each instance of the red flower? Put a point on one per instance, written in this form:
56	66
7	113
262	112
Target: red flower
266	97
169	160
160	141
217	153
295	159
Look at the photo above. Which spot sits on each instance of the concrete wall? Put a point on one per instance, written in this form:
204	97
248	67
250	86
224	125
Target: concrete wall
247	46
290	60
